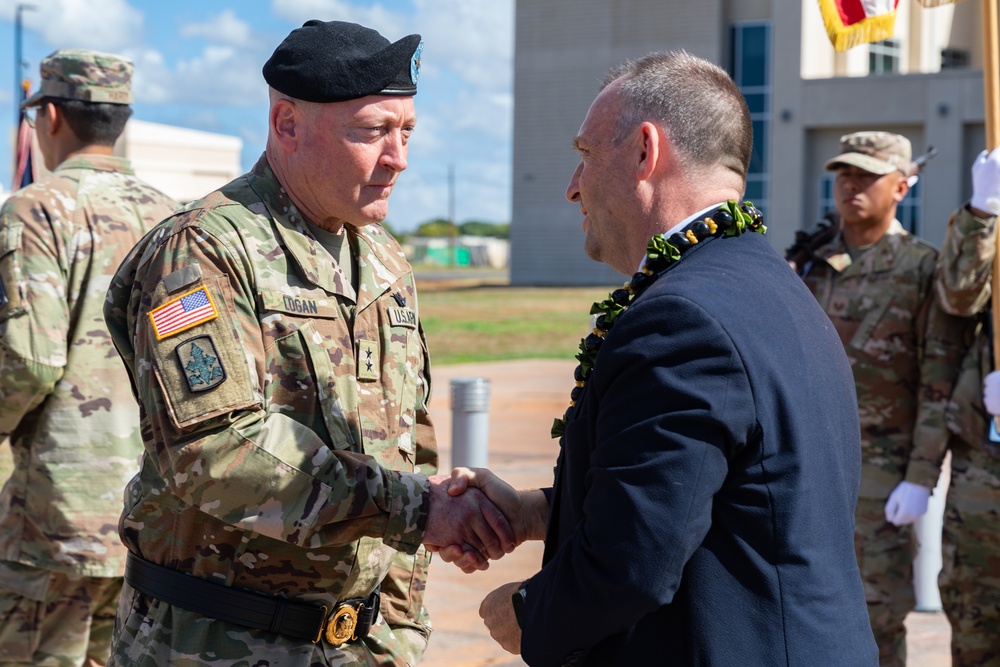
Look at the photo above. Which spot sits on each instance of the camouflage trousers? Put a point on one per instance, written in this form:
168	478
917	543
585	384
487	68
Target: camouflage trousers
970	573
53	619
885	557
152	633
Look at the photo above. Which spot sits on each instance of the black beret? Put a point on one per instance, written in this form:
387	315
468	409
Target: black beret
336	61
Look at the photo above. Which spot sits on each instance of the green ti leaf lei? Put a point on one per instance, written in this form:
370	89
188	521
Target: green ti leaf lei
731	219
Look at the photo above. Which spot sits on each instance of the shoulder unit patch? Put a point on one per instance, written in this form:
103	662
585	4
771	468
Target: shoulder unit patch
200	363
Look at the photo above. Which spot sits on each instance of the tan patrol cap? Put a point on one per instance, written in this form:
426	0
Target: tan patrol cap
81	74
877	152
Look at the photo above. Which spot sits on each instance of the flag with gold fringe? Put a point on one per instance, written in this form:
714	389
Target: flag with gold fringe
853	22
22	156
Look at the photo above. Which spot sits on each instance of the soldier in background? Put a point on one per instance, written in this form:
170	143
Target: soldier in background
970	573
64	397
272	336
874	280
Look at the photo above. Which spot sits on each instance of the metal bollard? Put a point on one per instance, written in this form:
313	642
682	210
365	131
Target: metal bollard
470	422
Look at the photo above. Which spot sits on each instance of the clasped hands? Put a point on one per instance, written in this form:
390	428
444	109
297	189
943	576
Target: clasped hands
475	517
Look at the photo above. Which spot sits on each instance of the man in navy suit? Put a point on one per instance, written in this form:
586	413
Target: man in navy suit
702	509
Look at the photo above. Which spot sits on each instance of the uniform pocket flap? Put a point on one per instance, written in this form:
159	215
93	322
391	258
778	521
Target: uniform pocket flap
10	237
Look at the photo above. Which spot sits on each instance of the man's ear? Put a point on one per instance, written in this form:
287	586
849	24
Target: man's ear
902	187
650	150
54	118
284	118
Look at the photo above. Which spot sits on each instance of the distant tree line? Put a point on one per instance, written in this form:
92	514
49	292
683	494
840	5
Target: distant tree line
439	227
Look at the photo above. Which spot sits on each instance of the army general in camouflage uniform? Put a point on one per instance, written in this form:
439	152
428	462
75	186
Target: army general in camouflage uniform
875	282
272	335
64	397
970	573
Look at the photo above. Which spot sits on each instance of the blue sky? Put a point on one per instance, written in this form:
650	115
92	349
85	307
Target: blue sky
198	65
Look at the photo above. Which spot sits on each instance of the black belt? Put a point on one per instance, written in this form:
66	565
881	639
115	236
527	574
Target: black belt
350	620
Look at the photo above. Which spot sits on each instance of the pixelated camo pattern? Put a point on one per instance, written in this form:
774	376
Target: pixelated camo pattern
295	476
903	351
91	76
65	400
970	572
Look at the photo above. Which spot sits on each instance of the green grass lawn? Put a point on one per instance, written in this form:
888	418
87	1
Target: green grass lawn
497	322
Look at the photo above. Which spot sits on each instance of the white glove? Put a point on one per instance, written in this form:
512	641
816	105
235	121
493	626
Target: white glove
991	393
906	503
986	182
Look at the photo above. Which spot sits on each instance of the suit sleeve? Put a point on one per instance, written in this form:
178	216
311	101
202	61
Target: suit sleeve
255	470
673	404
34	317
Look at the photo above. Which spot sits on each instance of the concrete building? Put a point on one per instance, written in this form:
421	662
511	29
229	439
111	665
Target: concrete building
183	163
924	83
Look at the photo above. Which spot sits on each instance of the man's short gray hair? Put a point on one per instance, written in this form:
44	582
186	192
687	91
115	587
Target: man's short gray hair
694	101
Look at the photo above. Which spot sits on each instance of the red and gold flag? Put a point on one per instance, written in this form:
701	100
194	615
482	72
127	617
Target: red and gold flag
22	145
853	22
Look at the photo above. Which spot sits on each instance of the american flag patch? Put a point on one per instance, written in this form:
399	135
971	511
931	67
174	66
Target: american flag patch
186	311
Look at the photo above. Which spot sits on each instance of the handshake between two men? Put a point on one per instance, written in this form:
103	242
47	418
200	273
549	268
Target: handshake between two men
476	517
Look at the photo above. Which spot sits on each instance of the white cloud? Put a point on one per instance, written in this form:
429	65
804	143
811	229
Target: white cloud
105	25
486	112
226	28
391	24
218	76
473	39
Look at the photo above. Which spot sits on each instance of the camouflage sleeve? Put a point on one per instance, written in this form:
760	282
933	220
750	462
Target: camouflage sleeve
426	461
946	339
34	317
965	263
403	586
221	452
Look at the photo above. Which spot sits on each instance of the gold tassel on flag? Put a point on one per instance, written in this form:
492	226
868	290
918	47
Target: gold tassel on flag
870	29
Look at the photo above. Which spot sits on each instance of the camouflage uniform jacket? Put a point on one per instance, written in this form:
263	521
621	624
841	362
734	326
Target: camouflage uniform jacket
284	434
901	351
963	289
64	398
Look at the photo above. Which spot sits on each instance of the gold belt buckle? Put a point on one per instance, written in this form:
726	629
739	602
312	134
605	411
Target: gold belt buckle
342	625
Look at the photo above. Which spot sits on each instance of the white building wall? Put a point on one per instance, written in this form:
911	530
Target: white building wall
185	164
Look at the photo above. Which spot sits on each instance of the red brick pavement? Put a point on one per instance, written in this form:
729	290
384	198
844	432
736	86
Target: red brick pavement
525	397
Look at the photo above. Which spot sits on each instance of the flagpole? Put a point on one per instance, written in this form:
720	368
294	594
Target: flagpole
991	95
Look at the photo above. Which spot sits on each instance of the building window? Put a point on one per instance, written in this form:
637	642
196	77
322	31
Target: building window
954	58
750	67
907	211
883	57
